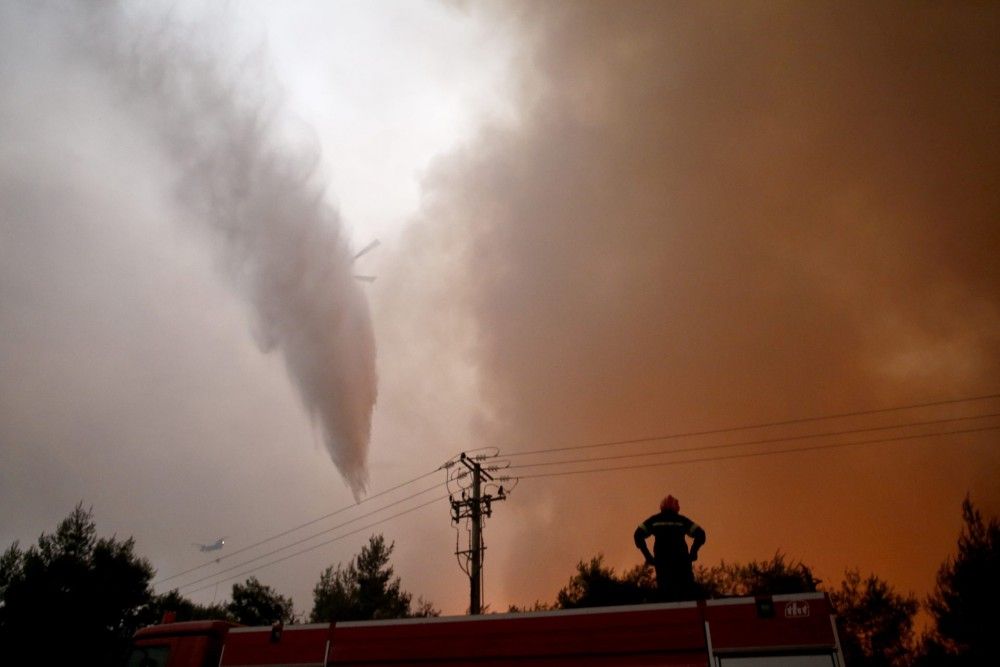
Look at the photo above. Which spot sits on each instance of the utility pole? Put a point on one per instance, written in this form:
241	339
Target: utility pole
476	566
474	505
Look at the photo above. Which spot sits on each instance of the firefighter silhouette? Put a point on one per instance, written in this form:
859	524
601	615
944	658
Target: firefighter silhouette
671	558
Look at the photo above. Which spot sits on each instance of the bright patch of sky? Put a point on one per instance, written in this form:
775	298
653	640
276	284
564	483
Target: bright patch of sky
386	86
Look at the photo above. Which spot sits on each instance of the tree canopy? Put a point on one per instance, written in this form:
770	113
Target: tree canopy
184	609
963	606
875	622
768	577
253	603
365	589
96	589
596	585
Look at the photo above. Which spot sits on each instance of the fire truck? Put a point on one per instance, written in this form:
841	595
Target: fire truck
780	631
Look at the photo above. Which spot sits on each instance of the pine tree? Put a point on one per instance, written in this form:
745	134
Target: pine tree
253	603
963	605
364	589
875	622
768	577
95	589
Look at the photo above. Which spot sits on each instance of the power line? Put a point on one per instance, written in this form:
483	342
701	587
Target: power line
316	546
755	454
669	436
765	441
307	538
746	427
295	528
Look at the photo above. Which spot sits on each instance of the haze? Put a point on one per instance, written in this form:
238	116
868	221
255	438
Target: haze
599	222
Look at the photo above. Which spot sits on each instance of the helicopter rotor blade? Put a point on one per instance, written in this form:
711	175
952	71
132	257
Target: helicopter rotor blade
371	246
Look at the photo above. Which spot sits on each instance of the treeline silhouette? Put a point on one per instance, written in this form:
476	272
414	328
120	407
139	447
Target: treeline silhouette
76	597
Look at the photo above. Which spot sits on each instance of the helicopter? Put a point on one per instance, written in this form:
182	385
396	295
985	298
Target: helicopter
213	546
371	246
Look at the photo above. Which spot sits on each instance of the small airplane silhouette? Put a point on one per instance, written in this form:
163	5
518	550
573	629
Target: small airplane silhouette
214	546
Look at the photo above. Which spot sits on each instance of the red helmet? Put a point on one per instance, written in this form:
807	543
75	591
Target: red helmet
670	504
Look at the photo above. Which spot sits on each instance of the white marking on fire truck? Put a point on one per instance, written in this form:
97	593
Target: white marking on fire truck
796	609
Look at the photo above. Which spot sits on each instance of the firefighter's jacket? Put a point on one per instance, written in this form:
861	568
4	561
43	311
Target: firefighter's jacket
670	530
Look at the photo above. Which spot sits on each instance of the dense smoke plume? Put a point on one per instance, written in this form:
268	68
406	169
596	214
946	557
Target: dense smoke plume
241	182
689	216
713	214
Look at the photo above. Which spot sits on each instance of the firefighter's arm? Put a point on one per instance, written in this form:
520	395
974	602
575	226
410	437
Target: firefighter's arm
698	533
640	541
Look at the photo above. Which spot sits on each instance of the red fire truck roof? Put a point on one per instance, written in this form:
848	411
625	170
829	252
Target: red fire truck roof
663	634
217	628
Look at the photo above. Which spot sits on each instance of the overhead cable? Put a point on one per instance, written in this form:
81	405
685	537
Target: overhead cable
764	441
309	537
747	427
295	528
772	452
317	546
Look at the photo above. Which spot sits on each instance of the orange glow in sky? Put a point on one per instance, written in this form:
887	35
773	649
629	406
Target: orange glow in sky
599	222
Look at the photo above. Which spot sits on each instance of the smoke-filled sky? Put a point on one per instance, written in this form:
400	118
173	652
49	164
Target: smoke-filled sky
599	222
